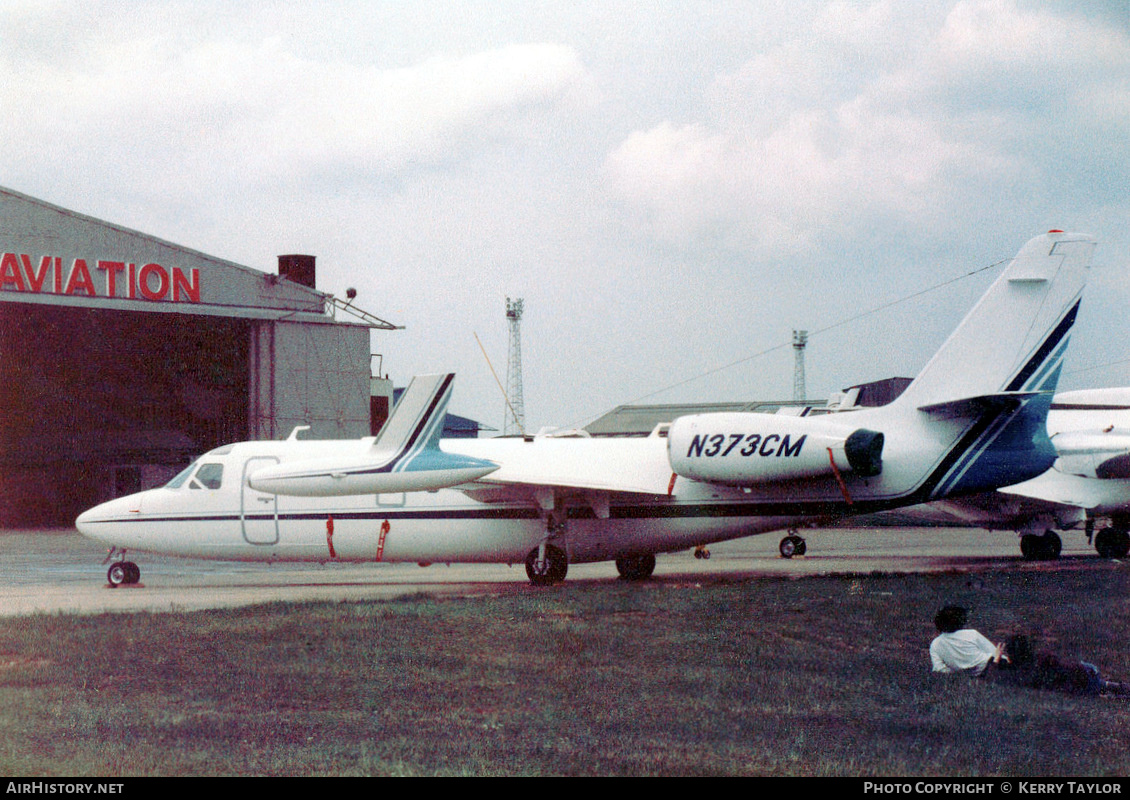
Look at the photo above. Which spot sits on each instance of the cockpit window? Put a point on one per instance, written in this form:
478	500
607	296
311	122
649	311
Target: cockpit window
182	476
203	476
209	476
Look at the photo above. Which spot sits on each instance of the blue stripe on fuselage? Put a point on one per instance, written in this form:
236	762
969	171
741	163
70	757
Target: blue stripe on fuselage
1013	448
1012	445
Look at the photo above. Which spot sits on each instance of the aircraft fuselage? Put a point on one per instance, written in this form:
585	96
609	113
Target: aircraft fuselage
227	519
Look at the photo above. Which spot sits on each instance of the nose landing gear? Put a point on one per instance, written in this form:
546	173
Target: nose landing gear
123	573
792	545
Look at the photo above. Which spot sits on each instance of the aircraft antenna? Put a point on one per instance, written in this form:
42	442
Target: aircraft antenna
800	340
515	406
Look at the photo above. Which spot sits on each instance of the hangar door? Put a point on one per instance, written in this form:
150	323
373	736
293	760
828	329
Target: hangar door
98	403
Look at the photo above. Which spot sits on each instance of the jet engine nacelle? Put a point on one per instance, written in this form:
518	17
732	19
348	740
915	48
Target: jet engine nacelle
743	449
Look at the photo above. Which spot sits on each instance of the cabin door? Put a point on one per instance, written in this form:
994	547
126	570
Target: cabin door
259	511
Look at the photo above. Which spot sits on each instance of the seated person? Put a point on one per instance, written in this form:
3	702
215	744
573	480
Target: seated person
960	649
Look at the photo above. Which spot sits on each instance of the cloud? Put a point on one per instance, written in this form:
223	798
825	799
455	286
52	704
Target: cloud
870	119
670	186
220	107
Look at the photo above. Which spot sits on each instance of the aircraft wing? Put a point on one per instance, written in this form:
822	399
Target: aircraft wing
638	466
1101	454
1092	471
1093	494
1090	430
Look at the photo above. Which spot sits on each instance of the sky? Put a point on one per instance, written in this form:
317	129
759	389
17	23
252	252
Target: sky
671	188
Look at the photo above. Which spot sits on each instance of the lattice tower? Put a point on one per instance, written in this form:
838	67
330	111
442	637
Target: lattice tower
800	339
515	405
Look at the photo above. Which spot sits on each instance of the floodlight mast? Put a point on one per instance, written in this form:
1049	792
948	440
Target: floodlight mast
515	406
800	340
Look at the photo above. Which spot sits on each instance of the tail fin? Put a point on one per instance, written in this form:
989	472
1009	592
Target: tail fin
1014	339
998	370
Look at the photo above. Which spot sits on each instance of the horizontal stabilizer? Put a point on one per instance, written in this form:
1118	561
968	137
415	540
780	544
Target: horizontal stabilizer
975	406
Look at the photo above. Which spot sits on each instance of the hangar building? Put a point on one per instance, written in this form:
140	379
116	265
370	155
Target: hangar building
122	356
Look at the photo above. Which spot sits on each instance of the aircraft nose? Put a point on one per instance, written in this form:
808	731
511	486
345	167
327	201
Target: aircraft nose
95	523
87	518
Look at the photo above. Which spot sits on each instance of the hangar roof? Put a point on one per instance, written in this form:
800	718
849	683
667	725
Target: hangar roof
633	420
55	256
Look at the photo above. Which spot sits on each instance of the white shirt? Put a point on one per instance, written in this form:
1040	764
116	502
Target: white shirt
961	651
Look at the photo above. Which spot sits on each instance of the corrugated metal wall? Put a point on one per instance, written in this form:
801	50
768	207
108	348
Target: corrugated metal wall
122	356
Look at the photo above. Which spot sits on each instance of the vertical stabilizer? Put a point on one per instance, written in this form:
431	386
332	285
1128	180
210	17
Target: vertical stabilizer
1015	338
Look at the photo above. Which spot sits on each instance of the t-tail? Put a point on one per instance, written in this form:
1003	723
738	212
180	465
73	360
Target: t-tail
974	419
405	457
1000	368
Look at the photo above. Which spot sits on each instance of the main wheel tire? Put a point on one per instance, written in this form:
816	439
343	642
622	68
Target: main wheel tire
1051	545
636	568
554	569
1041	548
1112	543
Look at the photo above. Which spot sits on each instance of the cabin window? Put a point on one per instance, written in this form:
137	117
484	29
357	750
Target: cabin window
209	476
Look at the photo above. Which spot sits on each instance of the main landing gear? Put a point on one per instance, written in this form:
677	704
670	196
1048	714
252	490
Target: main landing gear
1041	548
546	565
1113	542
792	545
637	567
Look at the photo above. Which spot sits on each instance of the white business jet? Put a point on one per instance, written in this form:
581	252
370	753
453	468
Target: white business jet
972	421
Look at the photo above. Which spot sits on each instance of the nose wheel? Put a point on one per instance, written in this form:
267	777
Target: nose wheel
792	545
123	573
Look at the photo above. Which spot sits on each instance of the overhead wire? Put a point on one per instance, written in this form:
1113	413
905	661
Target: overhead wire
818	332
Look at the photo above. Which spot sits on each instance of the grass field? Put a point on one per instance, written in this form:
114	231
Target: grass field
820	676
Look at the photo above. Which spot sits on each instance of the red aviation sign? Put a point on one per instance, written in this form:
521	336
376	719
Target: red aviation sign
98	278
